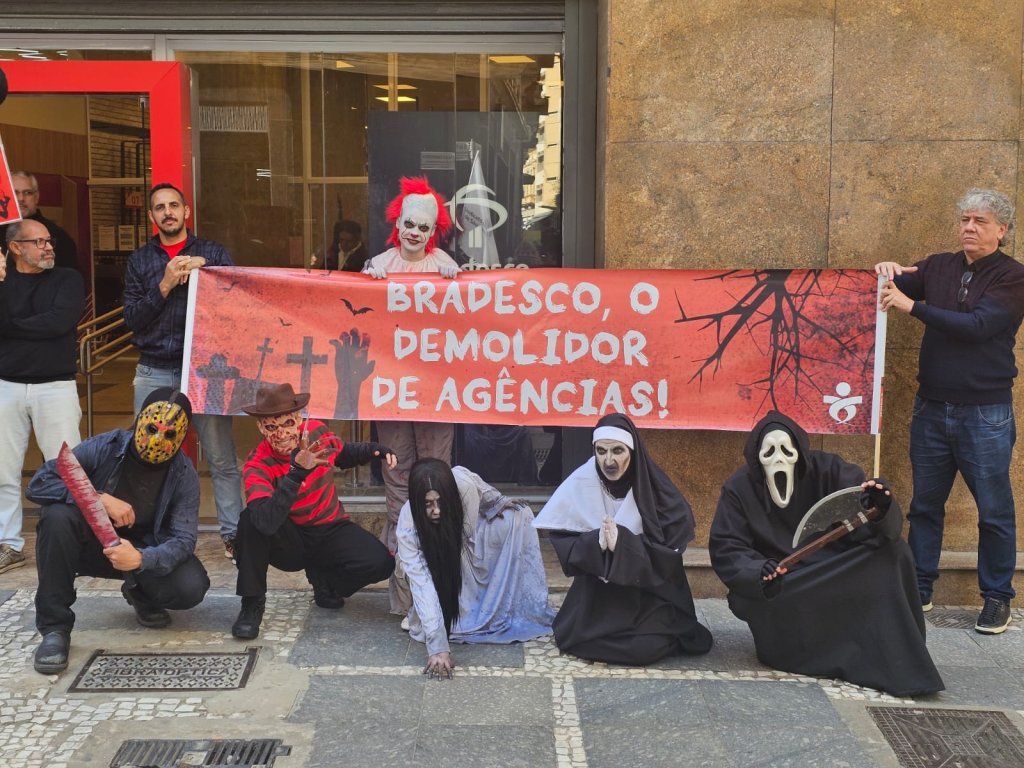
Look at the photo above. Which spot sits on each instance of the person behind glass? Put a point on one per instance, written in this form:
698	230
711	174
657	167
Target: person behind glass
473	563
420	219
348	252
40	306
971	303
293	518
619	527
155	304
26	189
150	491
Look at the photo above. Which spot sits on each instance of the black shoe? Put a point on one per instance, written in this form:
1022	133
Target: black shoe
52	654
994	617
325	597
147	615
247	625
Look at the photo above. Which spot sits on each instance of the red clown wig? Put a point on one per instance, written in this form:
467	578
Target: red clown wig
418	185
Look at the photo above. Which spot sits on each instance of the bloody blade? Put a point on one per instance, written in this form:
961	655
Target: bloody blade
85	496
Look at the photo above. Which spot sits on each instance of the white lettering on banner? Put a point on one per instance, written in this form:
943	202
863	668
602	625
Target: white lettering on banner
505	297
543	396
384	390
643	298
558	346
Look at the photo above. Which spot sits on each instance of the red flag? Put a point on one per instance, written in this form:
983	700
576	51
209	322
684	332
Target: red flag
9	211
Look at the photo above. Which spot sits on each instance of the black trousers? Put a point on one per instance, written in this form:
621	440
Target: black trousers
66	547
341	555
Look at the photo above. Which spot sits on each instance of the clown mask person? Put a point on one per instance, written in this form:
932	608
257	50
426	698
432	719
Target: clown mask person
420	218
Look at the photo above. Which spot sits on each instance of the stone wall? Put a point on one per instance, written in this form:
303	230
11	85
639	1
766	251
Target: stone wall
805	133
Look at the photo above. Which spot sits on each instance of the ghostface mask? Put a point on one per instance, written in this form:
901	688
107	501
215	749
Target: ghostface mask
778	456
160	430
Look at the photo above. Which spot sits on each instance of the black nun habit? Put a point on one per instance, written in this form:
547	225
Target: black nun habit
631	605
850	611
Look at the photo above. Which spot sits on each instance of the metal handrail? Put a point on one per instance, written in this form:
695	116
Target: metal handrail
96	351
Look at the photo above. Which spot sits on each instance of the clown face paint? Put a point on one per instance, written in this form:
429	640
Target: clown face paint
778	457
414	230
282	432
432	505
613	458
159	431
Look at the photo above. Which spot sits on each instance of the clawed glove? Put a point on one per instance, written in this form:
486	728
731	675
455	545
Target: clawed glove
449	270
378	273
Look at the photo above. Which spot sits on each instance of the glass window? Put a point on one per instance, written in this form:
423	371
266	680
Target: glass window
299	154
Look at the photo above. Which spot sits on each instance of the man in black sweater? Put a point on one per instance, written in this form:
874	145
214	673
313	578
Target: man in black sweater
971	303
39	308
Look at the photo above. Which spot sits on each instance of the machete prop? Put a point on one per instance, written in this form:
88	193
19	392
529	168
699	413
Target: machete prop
86	499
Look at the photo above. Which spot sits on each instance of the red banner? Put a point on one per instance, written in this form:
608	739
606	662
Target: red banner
670	348
9	211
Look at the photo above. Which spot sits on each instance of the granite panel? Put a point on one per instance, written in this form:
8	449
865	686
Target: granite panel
979	687
762	702
458	746
958	648
635	742
720	70
361	745
374	700
896	201
656	704
752	745
716	206
488	702
927	69
372	636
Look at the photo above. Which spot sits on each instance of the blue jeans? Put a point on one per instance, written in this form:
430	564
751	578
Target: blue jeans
977	441
217	438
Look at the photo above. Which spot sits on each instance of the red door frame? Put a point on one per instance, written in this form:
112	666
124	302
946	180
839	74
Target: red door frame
166	83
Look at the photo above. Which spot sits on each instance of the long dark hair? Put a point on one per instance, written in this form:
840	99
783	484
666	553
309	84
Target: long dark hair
441	542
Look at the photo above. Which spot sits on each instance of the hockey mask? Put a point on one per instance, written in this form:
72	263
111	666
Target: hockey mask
778	457
159	431
282	432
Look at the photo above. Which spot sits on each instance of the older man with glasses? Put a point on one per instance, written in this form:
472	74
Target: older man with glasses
26	189
971	303
39	308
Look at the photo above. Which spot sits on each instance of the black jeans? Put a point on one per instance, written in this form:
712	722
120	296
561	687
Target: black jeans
341	555
66	547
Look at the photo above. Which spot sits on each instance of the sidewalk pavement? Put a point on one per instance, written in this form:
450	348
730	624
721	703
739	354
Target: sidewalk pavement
344	688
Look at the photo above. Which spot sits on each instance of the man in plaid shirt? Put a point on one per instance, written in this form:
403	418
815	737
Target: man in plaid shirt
155	302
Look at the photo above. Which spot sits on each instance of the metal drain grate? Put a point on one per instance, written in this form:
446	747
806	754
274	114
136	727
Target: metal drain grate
113	672
212	753
947	618
940	738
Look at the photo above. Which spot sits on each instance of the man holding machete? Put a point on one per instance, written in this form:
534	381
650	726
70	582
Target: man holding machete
150	493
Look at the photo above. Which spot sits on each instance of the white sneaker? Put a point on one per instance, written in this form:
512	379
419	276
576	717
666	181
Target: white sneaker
405	623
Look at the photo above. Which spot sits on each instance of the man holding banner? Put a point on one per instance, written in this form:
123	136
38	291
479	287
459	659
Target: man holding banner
971	303
420	218
155	306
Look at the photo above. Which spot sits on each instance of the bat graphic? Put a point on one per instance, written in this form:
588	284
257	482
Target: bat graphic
233	284
354	311
282	322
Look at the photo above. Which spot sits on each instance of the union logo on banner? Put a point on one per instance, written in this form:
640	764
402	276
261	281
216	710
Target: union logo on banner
671	348
9	211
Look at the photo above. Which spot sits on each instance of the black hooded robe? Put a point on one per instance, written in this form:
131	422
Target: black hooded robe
631	606
850	611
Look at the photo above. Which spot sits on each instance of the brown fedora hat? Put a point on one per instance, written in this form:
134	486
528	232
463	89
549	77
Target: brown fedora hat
276	401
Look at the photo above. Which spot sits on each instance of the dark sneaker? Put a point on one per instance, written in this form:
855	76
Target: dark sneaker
52	654
146	614
926	603
229	550
325	597
247	625
994	617
10	558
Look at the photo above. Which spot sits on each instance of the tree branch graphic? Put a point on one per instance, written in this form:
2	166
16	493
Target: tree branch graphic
784	323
